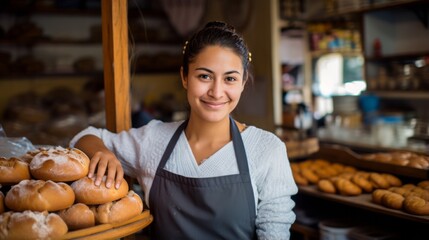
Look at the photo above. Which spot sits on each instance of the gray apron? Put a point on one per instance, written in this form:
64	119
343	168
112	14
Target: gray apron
203	208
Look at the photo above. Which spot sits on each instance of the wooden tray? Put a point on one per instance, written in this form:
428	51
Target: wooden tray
112	231
362	201
340	154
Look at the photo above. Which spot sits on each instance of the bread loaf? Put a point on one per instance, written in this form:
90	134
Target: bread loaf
78	216
378	194
117	211
87	192
346	187
39	195
31	225
60	164
13	170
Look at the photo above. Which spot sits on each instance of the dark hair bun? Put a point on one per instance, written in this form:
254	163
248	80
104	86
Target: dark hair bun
222	25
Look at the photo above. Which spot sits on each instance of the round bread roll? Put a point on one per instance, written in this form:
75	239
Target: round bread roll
310	175
392	179
117	211
416	205
31	225
13	170
1	203
39	195
78	216
87	192
60	164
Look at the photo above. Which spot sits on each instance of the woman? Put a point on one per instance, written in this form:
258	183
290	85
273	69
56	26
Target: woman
209	177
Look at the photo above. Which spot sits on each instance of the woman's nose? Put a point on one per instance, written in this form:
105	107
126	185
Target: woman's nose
216	89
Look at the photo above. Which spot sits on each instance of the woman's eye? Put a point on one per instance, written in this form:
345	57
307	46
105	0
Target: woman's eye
230	79
204	76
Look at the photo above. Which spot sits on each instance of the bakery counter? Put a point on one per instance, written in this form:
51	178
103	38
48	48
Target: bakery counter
113	231
362	201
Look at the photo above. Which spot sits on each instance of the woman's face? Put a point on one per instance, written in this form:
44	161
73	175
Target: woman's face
214	83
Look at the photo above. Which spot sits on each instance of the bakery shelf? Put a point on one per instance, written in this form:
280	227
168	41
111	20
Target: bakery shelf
362	201
344	155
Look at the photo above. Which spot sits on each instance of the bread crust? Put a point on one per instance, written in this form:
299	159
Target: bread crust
78	216
13	170
60	164
88	193
31	225
39	195
117	211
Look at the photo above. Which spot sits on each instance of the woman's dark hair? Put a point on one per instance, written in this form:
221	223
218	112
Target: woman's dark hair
220	34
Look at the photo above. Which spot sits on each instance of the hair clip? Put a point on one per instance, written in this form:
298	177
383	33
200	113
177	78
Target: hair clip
250	57
184	47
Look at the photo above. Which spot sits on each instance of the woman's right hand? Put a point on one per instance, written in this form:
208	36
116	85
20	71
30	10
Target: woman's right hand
102	162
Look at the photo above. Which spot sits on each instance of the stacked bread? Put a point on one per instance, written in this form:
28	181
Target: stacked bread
50	194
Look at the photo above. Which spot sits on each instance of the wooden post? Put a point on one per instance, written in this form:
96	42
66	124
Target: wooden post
116	66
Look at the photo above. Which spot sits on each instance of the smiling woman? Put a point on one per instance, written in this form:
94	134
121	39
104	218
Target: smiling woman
209	170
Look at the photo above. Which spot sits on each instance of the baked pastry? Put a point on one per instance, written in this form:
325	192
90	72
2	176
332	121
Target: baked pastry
326	186
310	175
392	200
379	181
299	179
424	184
378	194
87	192
347	187
13	170
363	183
78	216
39	195
31	225
392	180
416	205
117	211
60	164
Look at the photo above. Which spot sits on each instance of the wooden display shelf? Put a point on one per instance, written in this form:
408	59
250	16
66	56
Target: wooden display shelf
362	201
112	231
344	155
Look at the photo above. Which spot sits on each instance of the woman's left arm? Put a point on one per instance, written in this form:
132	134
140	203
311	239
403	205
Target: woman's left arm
275	188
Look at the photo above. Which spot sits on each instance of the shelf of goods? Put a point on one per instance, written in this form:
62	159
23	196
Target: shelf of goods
339	175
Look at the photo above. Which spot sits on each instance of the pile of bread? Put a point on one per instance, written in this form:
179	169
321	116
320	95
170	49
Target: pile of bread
48	194
337	178
401	158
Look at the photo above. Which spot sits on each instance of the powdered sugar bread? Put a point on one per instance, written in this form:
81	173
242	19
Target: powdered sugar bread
31	225
59	164
87	192
13	170
39	195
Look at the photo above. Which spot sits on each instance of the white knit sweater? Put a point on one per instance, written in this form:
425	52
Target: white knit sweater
140	151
